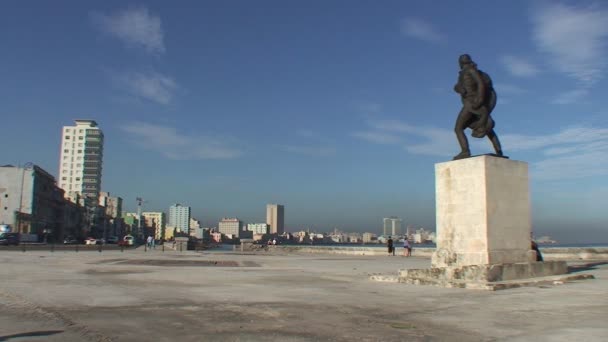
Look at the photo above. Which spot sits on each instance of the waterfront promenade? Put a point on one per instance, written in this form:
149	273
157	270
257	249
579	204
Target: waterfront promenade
280	296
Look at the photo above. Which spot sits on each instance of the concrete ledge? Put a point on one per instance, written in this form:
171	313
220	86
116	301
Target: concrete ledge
549	253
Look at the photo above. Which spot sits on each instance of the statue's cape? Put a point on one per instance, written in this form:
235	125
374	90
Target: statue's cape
480	132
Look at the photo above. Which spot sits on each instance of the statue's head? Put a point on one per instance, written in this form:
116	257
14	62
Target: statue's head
464	60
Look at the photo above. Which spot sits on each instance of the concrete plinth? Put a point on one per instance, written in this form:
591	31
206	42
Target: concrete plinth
483	212
483	228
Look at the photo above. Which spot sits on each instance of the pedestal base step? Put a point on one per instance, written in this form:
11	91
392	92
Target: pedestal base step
503	285
487	273
488	277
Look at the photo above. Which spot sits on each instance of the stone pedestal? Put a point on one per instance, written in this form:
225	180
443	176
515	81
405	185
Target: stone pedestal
483	228
483	212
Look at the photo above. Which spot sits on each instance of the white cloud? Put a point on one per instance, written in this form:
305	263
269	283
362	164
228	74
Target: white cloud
136	27
574	38
519	67
377	137
152	86
420	29
567	136
573	152
569	97
313	151
178	146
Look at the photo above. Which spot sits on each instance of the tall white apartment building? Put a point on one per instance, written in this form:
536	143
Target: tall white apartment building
392	225
275	218
80	163
179	217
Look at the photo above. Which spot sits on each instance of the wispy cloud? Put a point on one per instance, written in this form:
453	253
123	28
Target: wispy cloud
573	37
311	144
420	29
581	150
572	96
176	145
313	151
135	26
151	85
378	137
518	66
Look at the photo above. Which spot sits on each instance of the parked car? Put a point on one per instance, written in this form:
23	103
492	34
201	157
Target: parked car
8	239
128	240
70	240
90	241
112	239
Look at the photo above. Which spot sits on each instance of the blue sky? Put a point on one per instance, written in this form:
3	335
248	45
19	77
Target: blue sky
336	109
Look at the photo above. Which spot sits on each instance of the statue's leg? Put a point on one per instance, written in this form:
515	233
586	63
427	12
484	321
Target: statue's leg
464	117
495	142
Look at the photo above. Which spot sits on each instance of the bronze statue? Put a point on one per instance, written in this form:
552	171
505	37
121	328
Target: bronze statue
478	101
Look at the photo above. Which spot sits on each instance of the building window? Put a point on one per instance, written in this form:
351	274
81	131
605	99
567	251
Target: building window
66	151
79	151
79	144
67	129
79	131
64	178
80	137
77	178
67	137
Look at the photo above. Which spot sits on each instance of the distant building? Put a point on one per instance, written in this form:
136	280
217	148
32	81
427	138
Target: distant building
258	228
179	217
80	162
131	222
392	226
156	222
369	238
31	202
275	218
112	205
195	225
169	232
230	226
216	236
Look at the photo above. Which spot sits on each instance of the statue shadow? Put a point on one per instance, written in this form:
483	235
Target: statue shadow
586	267
30	334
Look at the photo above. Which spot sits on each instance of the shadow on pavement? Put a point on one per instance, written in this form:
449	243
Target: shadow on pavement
31	334
586	267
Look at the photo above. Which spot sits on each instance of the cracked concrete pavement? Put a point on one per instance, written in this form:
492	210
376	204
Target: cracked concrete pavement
226	296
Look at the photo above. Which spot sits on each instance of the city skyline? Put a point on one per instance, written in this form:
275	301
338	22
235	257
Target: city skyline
337	110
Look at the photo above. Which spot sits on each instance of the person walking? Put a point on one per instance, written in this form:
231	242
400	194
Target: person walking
407	248
149	241
391	247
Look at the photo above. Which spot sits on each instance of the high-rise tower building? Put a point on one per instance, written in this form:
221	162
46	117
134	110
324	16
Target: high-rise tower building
179	217
392	225
80	163
275	218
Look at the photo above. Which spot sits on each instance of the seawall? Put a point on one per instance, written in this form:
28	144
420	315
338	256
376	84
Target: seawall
549	253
